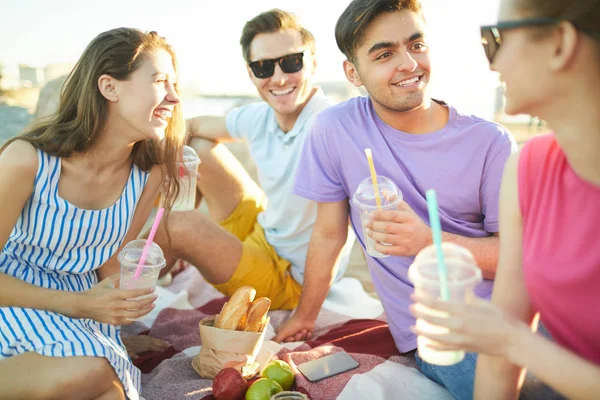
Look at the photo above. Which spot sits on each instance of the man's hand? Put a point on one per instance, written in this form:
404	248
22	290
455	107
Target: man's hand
402	229
326	241
294	329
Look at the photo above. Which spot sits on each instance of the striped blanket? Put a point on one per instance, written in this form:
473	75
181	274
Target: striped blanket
350	320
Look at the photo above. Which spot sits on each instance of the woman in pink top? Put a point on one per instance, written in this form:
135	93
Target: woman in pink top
548	54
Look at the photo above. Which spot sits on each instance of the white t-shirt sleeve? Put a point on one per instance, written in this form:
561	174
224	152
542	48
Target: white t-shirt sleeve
247	121
236	123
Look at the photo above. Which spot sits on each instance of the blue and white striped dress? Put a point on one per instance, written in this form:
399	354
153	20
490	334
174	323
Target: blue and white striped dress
58	246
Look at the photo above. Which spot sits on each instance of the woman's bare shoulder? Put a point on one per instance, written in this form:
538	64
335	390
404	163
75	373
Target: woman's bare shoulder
20	157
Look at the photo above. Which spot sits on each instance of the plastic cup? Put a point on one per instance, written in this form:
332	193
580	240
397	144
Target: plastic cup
129	258
463	276
451	250
188	172
364	199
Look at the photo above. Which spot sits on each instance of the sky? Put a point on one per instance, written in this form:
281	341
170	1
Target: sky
205	35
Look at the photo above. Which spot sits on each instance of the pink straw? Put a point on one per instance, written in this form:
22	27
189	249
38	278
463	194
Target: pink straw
157	219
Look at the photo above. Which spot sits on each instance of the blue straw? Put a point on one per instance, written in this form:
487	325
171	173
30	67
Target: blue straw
436	232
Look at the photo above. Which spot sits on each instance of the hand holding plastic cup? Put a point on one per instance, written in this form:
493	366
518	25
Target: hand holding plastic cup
188	172
365	199
463	276
129	258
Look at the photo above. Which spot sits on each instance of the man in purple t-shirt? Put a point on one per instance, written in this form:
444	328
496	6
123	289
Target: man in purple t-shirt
418	142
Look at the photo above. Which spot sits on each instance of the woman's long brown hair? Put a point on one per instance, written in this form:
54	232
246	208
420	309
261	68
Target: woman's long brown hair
584	14
83	110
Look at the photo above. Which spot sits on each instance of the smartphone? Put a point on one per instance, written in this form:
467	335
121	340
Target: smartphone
327	366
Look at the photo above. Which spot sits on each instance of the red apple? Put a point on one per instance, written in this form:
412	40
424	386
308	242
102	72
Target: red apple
229	384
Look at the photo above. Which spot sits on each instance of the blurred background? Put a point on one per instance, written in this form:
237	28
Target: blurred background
40	41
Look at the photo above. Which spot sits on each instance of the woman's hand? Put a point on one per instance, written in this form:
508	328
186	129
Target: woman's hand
143	343
477	326
104	303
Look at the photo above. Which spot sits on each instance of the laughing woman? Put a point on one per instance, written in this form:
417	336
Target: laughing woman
74	189
548	54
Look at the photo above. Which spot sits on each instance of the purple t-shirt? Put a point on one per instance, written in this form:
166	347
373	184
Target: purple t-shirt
463	162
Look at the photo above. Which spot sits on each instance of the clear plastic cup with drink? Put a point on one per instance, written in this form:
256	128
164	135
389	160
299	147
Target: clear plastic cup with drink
129	258
188	172
365	200
463	276
451	251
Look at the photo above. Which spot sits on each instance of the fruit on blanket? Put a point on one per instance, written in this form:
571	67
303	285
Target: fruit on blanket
229	384
263	389
233	313
280	372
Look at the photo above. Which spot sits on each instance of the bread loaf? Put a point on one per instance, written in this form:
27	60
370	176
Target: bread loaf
257	315
234	311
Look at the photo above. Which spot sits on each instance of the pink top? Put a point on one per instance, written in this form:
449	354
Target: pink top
561	246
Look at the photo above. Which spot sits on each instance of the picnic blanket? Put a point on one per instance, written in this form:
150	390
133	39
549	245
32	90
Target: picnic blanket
350	320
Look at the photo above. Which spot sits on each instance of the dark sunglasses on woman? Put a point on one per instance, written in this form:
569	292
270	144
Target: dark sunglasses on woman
289	64
491	35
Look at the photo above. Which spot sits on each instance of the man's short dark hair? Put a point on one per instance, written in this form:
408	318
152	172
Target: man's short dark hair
350	27
274	20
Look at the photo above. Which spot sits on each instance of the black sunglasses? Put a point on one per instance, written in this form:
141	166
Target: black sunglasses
491	37
289	64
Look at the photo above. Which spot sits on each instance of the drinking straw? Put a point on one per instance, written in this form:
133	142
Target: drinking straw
157	219
373	177
436	232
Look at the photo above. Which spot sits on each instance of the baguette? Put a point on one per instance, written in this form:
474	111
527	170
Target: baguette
234	311
257	315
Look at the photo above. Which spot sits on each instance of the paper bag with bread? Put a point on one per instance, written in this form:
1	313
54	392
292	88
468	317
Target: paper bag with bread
233	338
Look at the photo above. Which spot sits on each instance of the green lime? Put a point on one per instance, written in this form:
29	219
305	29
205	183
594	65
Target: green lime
280	372
263	389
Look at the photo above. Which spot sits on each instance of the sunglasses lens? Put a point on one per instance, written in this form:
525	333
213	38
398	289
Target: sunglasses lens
263	69
490	45
291	63
266	68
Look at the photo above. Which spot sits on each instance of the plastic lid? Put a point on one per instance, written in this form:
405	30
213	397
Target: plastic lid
365	199
460	273
190	155
132	252
450	250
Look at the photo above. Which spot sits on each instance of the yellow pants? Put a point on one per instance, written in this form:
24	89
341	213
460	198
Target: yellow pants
260	266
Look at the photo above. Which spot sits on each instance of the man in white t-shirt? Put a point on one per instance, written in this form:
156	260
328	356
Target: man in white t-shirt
246	242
